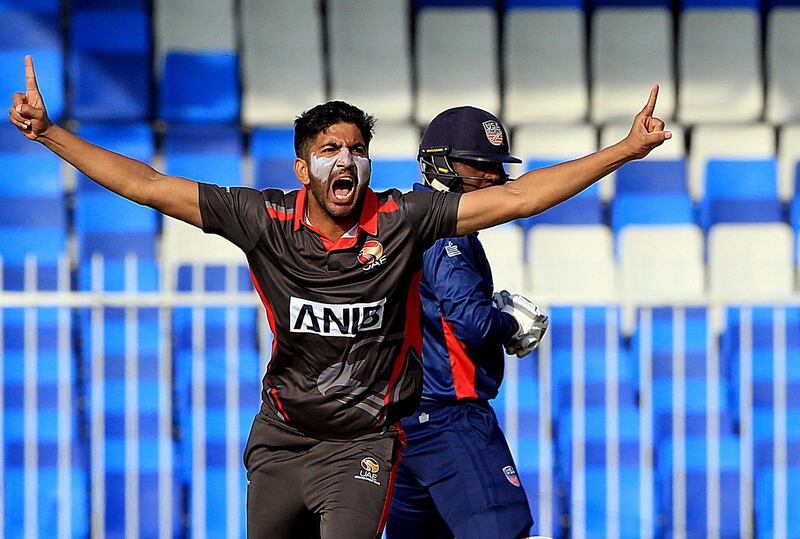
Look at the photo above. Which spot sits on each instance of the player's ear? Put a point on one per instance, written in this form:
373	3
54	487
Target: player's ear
301	170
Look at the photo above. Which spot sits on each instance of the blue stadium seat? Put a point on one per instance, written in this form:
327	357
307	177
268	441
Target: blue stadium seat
272	150
106	223
109	64
693	516
597	476
227	372
39	6
651	176
56	488
740	191
766	499
131	392
651	209
200	87
211	154
583	209
44	43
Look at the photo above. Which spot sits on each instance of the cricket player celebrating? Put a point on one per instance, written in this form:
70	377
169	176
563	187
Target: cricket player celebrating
338	268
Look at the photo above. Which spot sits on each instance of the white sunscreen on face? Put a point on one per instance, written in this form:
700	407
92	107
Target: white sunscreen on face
322	167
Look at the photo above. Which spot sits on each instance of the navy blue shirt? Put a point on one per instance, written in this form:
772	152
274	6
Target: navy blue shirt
462	331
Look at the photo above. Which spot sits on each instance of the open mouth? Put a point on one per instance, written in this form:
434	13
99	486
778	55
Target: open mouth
343	188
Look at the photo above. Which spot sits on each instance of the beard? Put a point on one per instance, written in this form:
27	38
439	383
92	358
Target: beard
322	191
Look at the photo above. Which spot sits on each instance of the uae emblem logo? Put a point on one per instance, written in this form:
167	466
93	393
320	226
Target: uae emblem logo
371	255
511	475
493	132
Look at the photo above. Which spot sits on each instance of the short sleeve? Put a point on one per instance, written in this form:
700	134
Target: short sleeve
236	213
432	214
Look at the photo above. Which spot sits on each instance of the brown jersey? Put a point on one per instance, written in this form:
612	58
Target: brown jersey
346	354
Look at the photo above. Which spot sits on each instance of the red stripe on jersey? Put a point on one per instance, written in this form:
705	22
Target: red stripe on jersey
461	366
280	215
389	206
413	335
271	318
387	504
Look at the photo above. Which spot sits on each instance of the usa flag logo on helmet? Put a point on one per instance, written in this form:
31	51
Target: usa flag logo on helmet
493	132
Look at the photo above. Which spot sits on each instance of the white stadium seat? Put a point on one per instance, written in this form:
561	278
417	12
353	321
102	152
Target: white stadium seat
282	69
783	65
631	49
504	246
545	68
788	157
751	262
194	25
551	142
371	67
182	243
673	271
732	141
720	66
394	156
571	263
456	60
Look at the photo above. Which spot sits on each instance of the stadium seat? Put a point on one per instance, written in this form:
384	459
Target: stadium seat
788	161
193	26
673	271
106	223
272	153
394	157
750	262
282	63
208	153
699	487
504	246
456	57
134	484
44	469
740	191
572	263
218	386
720	78
371	68
544	49
783	65
109	64
731	142
549	144
605	474
44	42
200	87
631	49
760	344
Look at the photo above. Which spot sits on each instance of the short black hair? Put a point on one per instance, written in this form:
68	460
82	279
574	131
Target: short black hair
317	119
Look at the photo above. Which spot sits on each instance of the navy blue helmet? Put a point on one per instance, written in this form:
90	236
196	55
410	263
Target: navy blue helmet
466	133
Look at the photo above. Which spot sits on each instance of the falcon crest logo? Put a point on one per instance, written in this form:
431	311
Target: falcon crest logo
371	255
493	132
369	471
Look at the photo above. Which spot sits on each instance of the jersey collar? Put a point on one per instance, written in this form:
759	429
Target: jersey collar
367	220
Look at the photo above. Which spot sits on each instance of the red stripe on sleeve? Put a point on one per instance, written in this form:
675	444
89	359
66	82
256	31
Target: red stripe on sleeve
462	367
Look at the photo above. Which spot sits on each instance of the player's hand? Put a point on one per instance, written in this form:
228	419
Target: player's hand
27	111
647	131
532	323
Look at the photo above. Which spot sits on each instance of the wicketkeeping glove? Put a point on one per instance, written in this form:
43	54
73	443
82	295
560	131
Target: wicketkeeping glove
532	322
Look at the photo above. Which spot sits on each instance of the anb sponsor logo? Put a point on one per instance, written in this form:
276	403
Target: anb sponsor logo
369	470
334	320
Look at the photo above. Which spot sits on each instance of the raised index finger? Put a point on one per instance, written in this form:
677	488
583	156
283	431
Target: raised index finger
651	101
30	76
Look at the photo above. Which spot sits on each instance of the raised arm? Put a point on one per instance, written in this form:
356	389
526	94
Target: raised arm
541	189
136	181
